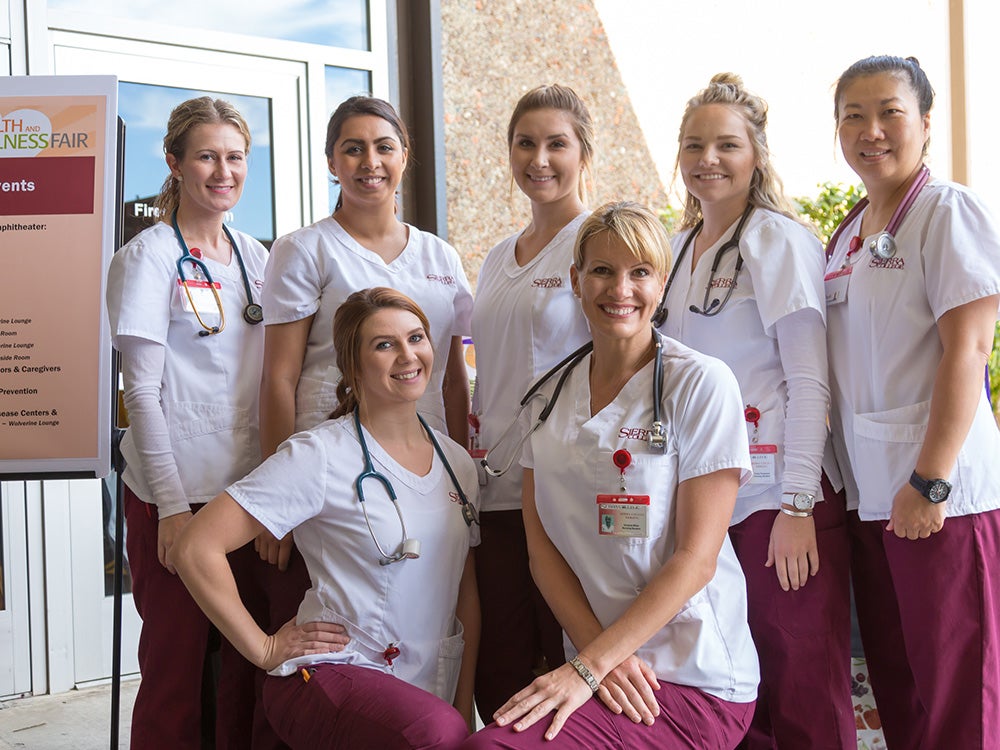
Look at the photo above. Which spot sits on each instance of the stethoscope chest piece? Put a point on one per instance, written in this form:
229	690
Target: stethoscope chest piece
253	313
883	246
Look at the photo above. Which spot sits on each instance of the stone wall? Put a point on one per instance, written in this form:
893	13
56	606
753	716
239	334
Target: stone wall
495	50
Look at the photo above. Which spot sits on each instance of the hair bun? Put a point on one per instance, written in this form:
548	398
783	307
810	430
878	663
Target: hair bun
726	79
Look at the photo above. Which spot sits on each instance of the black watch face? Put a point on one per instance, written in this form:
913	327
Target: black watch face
938	491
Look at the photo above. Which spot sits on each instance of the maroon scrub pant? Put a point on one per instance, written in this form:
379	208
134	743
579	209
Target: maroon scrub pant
929	614
803	637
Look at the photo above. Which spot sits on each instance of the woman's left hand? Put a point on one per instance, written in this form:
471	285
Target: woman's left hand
628	689
561	690
792	551
914	516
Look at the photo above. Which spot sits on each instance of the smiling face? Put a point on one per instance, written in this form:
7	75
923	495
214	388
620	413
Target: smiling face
395	358
546	157
717	158
618	291
368	160
882	133
212	169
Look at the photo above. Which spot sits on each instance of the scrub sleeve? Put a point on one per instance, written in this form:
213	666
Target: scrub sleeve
771	334
525	319
928	609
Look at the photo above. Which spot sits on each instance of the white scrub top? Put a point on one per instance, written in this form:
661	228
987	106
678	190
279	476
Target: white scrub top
524	321
313	270
308	486
211	384
885	351
707	645
782	273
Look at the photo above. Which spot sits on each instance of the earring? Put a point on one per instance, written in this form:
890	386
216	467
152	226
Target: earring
179	178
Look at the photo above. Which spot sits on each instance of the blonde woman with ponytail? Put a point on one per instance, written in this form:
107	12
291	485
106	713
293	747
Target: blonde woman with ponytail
748	289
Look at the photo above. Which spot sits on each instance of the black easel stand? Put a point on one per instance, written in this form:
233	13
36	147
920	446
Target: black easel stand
116	649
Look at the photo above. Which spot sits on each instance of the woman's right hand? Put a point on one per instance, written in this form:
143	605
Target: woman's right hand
628	689
273	550
292	641
167	532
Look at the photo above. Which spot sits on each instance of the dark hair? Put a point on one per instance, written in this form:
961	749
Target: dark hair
561	99
203	110
908	68
347	322
363	105
766	190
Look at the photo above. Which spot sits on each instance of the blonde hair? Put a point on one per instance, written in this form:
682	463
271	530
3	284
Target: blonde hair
636	226
347	323
766	190
203	110
562	99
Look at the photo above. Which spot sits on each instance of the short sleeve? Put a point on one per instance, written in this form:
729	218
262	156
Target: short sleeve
141	282
292	284
786	264
289	488
708	421
960	252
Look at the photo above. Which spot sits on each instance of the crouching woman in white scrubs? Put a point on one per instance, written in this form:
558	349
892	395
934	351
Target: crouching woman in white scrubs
912	284
628	544
392	680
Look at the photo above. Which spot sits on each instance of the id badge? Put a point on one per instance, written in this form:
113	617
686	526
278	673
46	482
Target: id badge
763	461
201	294
836	284
623	515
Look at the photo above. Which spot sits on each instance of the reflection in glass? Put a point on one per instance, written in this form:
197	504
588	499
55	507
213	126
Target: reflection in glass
332	23
145	109
340	84
108	508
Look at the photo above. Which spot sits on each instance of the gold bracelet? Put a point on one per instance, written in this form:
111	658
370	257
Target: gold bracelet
586	674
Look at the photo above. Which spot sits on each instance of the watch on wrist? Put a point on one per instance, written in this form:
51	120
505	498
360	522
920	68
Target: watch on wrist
935	490
801	501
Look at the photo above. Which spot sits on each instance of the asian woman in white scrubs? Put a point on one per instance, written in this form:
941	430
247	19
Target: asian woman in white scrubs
628	544
192	379
913	286
391	682
524	321
311	271
748	288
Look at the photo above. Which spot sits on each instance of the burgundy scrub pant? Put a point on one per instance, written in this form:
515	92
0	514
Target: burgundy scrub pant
518	629
803	637
689	720
347	707
929	614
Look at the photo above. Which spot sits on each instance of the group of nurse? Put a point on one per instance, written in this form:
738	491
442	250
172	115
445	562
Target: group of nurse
731	434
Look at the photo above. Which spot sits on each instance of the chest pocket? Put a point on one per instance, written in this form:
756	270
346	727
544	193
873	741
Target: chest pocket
648	474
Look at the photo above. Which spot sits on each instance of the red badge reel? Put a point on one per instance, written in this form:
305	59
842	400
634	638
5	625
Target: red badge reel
622	459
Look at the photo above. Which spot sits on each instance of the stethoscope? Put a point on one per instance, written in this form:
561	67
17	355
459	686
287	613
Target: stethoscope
883	245
713	308
409	549
656	437
252	312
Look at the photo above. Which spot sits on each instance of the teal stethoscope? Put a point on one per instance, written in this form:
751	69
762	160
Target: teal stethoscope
408	549
657	436
252	312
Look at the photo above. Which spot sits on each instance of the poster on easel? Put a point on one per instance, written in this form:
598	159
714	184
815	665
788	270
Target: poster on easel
57	211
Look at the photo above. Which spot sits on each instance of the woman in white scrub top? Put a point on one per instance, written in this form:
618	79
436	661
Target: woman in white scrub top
524	321
748	288
311	271
191	386
392	680
628	545
910	325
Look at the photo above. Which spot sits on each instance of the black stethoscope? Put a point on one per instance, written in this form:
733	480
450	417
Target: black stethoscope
713	308
657	437
408	549
883	245
252	312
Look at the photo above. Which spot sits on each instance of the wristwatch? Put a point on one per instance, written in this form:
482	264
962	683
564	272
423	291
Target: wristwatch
935	490
802	501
